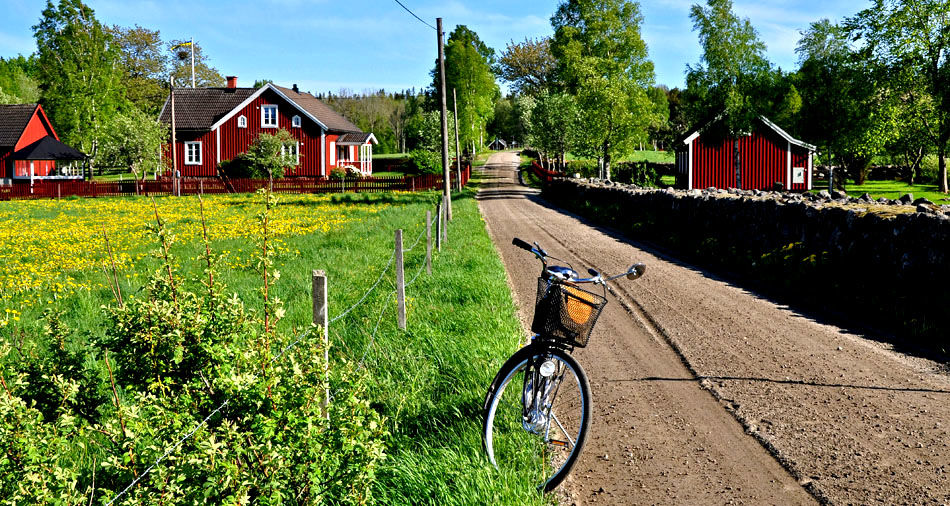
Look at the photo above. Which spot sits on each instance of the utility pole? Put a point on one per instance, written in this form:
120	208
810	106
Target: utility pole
171	81
447	191
458	155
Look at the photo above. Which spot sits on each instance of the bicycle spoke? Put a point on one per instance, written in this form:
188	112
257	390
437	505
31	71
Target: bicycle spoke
563	430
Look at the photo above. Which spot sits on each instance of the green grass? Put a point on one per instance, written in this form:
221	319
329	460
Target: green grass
390	156
891	190
389	174
640	156
429	380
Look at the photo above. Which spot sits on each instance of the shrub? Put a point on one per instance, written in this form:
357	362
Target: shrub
426	162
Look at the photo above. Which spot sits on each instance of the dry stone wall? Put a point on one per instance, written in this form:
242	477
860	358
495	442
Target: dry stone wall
878	263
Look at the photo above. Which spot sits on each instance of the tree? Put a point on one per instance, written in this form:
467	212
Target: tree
529	66
206	76
144	65
504	123
133	139
554	125
848	109
603	62
78	71
17	82
914	35
661	116
468	69
732	72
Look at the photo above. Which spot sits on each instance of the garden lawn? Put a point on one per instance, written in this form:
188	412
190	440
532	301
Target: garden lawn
891	190
428	381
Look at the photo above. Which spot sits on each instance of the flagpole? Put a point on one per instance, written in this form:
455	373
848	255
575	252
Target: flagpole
192	62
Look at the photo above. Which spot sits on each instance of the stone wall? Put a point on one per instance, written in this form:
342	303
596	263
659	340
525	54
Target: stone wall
882	263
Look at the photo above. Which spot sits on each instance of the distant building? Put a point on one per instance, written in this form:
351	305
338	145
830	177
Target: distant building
498	145
216	124
766	158
30	150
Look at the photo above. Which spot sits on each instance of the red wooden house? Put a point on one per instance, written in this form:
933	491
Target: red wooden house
30	150
213	125
761	160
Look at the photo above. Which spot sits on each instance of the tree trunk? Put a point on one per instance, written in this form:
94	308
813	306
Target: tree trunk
607	160
942	164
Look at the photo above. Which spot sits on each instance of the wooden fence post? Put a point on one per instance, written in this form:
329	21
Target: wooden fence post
320	317
447	211
429	243
438	226
400	282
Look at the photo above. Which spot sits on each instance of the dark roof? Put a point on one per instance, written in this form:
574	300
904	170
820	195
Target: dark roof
353	138
48	148
332	119
199	108
13	120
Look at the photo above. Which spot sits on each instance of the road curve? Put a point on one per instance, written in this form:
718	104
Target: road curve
705	393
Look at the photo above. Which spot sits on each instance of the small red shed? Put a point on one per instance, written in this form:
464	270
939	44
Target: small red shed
761	160
30	150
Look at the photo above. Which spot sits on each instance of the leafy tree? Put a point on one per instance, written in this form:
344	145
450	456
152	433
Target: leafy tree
144	64
424	131
504	123
661	116
206	76
468	69
913	35
133	139
603	62
261	82
270	155
77	68
732	71
845	110
554	125
529	66
17	82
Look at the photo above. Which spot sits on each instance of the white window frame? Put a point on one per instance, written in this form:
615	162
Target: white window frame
242	121
283	152
295	122
332	154
189	160
264	123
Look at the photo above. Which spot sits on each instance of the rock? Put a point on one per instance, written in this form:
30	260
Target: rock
884	200
924	208
923	200
823	194
838	195
906	199
865	197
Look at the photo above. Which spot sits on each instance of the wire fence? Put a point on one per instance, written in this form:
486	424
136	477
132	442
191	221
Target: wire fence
441	222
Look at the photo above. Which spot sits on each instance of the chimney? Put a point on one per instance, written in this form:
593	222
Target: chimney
232	81
296	89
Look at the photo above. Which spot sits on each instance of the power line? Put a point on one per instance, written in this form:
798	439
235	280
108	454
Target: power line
414	15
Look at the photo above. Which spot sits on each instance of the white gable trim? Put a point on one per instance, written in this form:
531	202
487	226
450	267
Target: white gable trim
372	138
692	137
258	93
786	136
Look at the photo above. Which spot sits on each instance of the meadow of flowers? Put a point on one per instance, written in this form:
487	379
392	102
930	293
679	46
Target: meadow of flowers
53	249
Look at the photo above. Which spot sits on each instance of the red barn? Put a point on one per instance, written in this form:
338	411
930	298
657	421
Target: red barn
761	160
30	150
213	125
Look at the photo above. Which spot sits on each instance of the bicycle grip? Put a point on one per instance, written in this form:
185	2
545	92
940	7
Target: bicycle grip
521	244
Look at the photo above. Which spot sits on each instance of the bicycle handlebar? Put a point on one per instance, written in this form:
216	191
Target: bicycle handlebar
634	272
521	244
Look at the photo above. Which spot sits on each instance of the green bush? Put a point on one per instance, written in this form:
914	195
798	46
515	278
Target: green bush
426	162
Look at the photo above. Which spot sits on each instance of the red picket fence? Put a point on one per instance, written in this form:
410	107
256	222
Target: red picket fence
195	186
543	174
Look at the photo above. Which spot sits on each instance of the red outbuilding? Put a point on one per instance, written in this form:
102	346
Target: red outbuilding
765	159
30	150
213	125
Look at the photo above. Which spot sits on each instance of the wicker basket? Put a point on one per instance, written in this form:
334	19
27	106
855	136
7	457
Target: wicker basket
566	313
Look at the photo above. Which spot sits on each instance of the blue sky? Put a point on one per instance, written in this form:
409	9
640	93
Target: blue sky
326	45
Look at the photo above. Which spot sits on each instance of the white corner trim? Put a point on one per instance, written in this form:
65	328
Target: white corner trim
809	176
323	153
691	138
217	132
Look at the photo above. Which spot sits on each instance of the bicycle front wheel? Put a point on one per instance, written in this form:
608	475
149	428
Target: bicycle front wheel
537	414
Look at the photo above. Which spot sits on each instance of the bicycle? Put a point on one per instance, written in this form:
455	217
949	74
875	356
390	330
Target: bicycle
544	421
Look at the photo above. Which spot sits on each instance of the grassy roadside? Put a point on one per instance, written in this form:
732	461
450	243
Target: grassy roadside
891	190
428	381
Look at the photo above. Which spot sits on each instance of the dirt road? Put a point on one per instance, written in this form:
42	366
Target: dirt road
707	394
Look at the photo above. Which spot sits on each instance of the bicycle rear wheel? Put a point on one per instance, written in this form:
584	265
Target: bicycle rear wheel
537	414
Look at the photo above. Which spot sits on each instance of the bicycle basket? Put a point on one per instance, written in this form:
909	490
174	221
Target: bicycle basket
566	313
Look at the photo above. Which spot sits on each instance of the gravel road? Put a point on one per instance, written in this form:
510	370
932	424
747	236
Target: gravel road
705	393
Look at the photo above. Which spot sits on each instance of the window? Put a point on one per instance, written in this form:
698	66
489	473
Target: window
343	153
293	150
332	153
242	121
295	121
269	116
193	153
798	175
